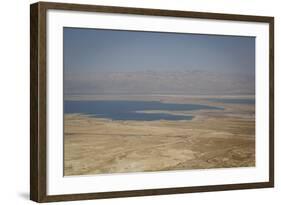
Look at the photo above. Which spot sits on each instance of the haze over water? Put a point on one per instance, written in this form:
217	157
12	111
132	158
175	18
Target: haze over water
98	61
112	63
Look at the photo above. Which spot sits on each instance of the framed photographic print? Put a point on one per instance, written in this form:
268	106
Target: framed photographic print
134	102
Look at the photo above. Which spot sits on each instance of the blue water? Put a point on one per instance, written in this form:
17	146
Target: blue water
126	110
233	101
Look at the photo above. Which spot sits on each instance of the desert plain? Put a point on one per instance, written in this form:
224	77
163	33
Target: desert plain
212	139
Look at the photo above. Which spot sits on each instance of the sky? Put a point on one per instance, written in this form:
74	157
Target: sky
91	51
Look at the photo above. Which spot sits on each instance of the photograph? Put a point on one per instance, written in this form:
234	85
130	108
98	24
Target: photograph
146	101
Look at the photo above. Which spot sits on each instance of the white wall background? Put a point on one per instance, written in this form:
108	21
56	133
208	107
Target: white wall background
14	104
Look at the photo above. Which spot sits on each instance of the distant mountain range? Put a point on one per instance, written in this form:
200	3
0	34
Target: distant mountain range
158	82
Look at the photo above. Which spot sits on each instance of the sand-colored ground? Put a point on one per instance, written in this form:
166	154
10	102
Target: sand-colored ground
213	139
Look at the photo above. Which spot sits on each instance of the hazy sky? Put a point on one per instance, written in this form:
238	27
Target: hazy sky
93	50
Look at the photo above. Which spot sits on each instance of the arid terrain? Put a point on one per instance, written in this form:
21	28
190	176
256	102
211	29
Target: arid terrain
212	139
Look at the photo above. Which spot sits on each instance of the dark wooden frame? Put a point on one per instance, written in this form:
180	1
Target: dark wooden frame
38	101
